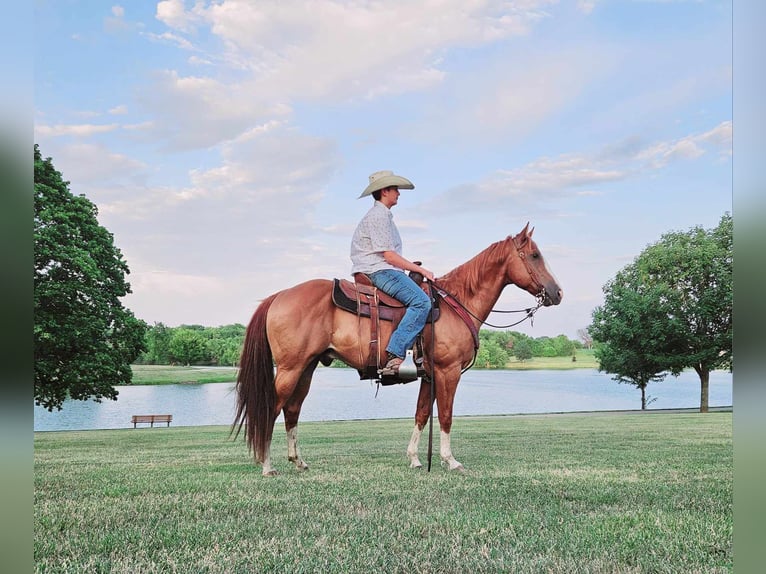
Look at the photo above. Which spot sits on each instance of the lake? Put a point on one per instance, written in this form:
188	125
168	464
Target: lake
338	394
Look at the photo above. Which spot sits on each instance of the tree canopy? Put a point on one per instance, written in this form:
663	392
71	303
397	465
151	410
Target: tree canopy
671	309
84	338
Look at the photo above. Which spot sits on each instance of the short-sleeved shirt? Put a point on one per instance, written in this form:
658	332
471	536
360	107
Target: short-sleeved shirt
375	234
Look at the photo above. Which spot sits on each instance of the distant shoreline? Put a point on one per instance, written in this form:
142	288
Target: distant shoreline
195	375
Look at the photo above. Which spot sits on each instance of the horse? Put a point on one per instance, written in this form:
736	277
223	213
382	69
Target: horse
297	328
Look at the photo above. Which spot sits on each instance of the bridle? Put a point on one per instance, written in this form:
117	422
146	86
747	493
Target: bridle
531	272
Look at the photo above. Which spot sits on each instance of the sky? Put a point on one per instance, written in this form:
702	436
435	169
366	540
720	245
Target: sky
225	143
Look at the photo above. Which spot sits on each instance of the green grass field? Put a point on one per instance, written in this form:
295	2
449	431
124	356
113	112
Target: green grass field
167	374
558	493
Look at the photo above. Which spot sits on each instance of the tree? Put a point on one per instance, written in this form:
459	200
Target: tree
626	329
84	339
673	304
585	337
157	345
522	350
563	345
493	352
187	346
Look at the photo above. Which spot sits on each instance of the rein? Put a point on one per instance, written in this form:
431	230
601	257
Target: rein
530	311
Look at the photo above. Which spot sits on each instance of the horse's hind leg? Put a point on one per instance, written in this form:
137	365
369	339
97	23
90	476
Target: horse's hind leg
292	411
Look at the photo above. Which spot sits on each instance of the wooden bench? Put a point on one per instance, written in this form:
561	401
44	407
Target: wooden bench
151	419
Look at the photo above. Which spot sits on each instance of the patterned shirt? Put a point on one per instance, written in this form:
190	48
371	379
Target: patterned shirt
375	234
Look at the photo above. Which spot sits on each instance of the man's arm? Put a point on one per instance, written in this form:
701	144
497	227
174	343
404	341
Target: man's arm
393	258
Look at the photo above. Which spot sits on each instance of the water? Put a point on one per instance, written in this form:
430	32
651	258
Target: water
338	394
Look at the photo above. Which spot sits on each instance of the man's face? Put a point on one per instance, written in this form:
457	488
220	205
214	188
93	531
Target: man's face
390	195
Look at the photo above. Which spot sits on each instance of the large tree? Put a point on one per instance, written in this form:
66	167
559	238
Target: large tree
84	339
627	329
673	306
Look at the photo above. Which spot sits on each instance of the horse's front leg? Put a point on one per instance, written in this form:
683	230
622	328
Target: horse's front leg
412	448
422	414
445	398
445	451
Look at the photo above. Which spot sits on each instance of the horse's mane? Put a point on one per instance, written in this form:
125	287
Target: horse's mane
465	280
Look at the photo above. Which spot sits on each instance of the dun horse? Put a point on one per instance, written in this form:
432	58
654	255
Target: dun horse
298	327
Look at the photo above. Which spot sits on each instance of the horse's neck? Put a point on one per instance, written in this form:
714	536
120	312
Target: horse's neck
478	283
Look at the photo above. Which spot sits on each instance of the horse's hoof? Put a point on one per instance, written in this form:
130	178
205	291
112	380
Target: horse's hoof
417	466
460	469
272	472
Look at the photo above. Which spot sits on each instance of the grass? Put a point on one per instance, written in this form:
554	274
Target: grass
585	360
560	493
167	374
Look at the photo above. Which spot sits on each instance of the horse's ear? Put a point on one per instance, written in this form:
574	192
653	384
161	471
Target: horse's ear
524	234
531	231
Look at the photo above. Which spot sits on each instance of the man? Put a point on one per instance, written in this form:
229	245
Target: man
376	250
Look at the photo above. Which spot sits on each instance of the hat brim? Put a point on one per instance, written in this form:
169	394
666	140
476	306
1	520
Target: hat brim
387	181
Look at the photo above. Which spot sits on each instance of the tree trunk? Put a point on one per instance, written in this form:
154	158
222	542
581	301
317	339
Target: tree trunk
643	397
704	375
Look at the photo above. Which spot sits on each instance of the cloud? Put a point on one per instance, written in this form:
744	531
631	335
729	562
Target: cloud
85	163
76	130
179	41
275	57
173	13
394	44
544	182
690	147
260	200
197	111
512	94
117	22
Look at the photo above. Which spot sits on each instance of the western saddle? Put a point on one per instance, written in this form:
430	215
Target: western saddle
363	299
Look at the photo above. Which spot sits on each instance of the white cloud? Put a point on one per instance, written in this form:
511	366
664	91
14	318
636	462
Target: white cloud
535	185
329	48
693	146
76	130
85	163
179	41
173	13
198	111
118	110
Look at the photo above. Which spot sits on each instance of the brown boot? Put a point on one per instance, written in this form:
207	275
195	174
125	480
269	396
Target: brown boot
392	366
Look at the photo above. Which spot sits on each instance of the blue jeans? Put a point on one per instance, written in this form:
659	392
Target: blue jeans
397	284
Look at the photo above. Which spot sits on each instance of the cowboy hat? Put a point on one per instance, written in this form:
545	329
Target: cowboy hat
386	178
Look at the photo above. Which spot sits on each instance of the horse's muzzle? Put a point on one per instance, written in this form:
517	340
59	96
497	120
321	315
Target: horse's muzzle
552	297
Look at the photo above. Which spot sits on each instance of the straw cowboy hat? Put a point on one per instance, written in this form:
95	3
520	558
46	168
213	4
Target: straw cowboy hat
386	178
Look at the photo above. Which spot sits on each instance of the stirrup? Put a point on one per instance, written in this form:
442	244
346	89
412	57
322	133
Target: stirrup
404	370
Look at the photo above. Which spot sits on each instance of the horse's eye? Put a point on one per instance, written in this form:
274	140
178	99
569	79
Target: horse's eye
535	255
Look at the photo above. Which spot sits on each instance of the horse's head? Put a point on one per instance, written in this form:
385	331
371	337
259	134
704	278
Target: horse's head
531	272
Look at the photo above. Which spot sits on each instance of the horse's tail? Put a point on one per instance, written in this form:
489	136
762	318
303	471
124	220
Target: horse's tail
256	395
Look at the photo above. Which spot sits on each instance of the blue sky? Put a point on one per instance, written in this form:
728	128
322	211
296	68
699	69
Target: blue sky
225	143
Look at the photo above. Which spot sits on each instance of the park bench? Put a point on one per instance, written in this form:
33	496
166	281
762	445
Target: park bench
135	419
